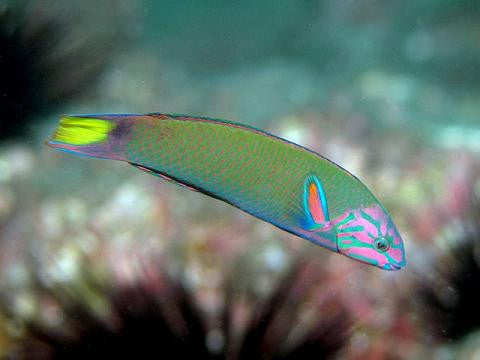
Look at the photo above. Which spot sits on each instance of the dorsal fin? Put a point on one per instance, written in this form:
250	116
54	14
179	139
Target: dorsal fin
315	203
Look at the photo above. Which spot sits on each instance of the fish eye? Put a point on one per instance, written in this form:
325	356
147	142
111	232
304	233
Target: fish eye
381	244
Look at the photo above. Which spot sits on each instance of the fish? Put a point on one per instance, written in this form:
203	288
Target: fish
273	179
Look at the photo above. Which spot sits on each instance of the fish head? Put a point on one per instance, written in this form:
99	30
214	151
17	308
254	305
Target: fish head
369	235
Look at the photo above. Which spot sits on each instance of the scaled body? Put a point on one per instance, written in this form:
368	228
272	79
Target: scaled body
268	177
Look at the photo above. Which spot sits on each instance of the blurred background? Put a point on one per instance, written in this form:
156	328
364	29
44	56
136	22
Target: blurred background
97	258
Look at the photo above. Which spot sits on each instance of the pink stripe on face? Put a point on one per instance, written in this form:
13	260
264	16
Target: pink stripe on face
396	254
397	240
367	226
342	217
368	253
359	221
374	211
383	227
366	232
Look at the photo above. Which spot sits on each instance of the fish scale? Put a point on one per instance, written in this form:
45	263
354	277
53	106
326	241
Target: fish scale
262	174
183	156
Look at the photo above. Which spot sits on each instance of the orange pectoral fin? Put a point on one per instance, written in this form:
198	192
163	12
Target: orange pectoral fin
315	203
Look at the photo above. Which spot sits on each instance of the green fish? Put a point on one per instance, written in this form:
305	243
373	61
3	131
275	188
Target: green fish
264	175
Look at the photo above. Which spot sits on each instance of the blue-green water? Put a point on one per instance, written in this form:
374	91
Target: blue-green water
99	259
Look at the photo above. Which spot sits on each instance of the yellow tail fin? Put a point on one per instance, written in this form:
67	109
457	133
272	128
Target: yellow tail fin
75	130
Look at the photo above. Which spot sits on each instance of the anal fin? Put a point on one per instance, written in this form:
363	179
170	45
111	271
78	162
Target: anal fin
162	175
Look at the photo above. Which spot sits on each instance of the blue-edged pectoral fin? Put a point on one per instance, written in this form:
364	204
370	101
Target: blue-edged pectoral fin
315	206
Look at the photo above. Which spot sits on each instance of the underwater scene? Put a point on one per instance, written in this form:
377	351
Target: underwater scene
305	179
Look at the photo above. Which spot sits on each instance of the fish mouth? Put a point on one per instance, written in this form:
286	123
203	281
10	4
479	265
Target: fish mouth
392	267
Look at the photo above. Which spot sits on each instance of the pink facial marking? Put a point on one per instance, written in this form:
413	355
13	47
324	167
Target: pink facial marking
368	232
396	254
383	227
369	253
373	211
342	217
367	226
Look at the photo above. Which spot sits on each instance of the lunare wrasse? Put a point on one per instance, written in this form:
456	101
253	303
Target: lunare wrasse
268	177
